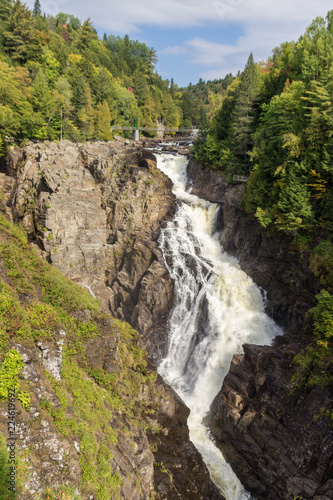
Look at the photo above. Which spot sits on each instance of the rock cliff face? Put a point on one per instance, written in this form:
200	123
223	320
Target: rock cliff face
270	426
271	429
94	212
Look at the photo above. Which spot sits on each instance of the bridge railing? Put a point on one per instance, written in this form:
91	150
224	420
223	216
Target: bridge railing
152	129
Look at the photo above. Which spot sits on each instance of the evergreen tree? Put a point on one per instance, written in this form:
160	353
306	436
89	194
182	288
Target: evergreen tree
37	11
62	97
140	87
294	206
41	97
20	38
86	117
103	122
244	110
79	97
88	32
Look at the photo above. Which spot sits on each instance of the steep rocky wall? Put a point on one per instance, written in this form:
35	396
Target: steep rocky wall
94	212
268	423
272	429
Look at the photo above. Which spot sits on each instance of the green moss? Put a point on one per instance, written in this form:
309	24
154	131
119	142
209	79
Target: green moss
14	230
9	372
89	420
43	320
64	492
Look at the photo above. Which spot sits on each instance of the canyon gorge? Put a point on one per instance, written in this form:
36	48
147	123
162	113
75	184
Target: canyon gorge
103	214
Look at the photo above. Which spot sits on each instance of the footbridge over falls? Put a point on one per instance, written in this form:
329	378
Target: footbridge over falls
161	130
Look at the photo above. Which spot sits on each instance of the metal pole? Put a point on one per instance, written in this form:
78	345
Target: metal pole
61	123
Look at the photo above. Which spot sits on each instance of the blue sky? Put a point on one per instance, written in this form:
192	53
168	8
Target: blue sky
198	38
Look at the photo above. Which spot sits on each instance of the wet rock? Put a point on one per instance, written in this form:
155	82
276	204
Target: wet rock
268	426
268	433
177	475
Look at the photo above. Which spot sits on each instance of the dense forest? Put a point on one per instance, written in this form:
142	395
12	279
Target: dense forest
275	125
60	80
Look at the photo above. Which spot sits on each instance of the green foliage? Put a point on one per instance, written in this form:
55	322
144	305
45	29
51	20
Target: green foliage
321	263
26	274
64	492
276	120
9	371
243	115
37	11
21	37
74	85
316	359
323	318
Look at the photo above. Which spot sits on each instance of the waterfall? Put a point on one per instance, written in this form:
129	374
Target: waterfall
217	308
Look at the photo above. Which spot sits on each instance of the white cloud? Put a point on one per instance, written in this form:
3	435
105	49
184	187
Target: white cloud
175	50
210	53
264	24
128	15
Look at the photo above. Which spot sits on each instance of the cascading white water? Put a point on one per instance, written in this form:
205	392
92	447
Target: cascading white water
217	308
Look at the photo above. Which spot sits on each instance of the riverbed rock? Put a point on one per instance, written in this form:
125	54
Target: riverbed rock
271	429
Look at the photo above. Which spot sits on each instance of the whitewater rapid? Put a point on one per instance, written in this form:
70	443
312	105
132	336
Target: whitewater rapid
217	308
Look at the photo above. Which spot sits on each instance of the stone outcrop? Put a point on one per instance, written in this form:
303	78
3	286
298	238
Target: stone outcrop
161	459
269	424
273	430
94	212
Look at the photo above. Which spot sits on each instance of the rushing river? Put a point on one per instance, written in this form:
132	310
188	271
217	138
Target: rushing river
217	308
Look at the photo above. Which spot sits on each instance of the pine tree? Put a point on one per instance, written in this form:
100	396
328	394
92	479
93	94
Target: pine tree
88	32
103	122
86	117
20	39
140	87
37	11
79	97
41	97
294	206
244	110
